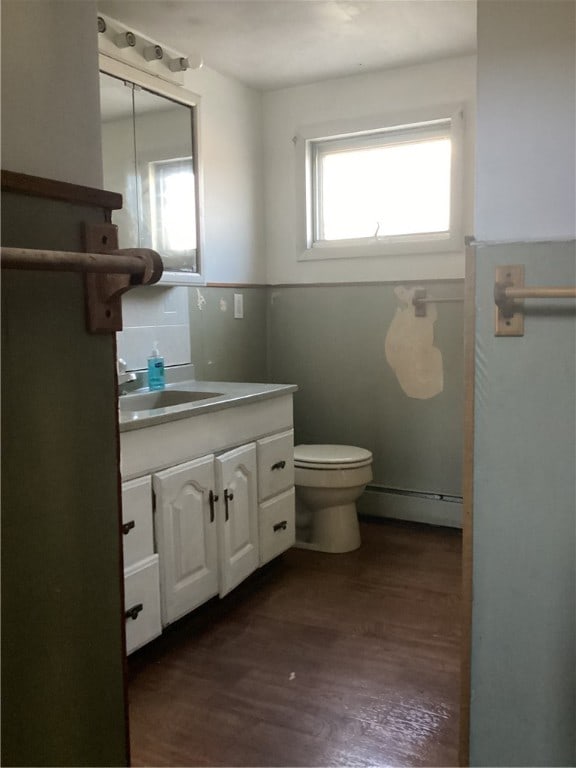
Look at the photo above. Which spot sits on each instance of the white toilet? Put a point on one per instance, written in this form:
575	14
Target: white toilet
329	479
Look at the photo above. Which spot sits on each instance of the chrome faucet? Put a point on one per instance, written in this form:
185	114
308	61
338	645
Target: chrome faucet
124	376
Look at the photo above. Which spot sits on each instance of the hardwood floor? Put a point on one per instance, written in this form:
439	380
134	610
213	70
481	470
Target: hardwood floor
317	660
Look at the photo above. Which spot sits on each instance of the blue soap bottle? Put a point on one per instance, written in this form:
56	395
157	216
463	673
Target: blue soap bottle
156	377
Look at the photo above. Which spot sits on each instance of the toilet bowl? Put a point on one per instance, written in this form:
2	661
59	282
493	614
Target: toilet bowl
329	479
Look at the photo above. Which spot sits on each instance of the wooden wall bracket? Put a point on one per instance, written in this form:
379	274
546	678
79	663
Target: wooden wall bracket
509	295
509	312
104	290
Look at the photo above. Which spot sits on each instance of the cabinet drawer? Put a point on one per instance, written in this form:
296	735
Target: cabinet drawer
277	530
138	537
142	603
275	464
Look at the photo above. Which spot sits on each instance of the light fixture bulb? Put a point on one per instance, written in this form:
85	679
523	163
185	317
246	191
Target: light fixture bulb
178	65
195	61
153	53
125	40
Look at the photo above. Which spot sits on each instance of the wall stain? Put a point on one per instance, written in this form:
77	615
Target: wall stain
410	350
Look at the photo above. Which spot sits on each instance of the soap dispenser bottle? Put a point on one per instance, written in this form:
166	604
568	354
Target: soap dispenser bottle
156	377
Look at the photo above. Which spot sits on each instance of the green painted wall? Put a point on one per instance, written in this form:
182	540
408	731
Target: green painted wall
330	341
523	630
224	348
62	650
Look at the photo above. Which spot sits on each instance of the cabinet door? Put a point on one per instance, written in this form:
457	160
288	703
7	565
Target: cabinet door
186	536
238	518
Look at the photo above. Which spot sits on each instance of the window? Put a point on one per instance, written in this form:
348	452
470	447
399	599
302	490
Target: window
384	190
173	217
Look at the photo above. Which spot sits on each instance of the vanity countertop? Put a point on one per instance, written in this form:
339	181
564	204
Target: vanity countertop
230	394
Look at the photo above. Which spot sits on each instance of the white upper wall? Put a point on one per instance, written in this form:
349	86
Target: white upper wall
45	108
231	159
526	121
286	111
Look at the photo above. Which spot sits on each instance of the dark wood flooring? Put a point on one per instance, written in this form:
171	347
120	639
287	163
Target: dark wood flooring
316	660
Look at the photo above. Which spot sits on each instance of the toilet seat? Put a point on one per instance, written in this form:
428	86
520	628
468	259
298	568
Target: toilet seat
331	457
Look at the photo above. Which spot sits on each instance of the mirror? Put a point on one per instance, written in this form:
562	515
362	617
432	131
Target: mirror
148	157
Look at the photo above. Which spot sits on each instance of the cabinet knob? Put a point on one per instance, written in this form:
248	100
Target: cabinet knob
132	613
281	526
278	465
127	527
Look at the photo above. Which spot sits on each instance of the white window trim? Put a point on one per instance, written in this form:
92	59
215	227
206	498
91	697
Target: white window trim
430	243
177	93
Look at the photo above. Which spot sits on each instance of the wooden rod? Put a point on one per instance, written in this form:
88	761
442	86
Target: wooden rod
550	292
71	261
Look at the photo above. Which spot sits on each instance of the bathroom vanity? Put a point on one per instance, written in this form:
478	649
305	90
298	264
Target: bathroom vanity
207	494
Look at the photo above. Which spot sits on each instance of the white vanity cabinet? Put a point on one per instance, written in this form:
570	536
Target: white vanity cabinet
222	488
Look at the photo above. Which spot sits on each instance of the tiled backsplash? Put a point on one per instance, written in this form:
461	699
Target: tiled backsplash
155	315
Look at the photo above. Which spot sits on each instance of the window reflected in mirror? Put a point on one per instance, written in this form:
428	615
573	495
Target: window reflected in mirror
148	157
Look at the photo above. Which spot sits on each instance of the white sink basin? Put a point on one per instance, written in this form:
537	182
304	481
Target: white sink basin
150	401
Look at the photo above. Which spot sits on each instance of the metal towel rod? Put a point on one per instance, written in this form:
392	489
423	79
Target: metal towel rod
509	295
421	298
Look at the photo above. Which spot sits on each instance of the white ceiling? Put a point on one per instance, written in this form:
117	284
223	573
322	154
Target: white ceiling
270	44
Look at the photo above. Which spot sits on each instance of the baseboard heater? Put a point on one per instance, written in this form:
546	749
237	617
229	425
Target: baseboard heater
415	506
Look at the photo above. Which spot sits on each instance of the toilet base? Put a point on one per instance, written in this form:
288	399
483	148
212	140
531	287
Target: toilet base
334	530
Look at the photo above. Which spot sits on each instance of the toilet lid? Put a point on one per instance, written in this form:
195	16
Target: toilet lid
331	456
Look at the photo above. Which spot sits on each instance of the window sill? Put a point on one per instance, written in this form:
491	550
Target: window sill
180	278
362	249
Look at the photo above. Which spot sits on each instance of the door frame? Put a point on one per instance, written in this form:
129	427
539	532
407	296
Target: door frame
468	501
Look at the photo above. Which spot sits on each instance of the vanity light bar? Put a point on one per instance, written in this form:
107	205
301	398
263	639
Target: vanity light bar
140	48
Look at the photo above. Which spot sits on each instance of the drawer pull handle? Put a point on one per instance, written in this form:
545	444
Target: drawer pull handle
281	526
132	613
278	465
212	498
127	527
227	497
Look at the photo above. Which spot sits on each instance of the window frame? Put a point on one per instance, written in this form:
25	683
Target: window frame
380	130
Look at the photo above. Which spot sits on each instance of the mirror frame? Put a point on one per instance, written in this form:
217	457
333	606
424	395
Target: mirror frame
181	95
